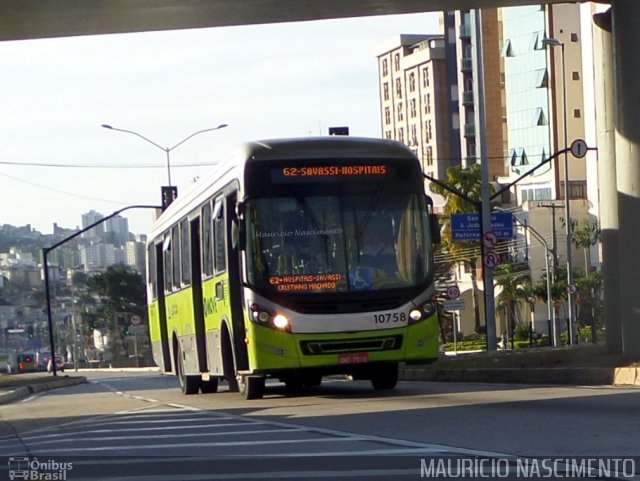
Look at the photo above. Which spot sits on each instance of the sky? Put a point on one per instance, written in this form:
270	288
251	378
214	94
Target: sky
265	81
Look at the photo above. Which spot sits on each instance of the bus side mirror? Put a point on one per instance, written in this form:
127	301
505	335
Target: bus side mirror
238	234
434	226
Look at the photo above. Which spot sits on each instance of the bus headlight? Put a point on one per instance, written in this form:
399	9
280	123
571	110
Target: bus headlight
258	314
280	321
429	309
421	313
261	316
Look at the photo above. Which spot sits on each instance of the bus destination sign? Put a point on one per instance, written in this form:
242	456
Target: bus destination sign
328	173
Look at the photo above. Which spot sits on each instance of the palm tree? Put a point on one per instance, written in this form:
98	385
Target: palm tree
469	183
510	278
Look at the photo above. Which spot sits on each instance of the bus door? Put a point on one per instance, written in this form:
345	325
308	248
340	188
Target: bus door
162	313
235	288
197	296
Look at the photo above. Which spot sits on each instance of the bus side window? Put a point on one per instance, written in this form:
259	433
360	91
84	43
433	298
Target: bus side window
168	263
207	241
152	271
175	255
185	252
219	234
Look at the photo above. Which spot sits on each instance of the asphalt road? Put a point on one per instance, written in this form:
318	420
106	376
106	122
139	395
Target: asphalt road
126	425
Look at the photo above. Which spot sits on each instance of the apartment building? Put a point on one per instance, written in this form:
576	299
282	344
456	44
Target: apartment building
413	98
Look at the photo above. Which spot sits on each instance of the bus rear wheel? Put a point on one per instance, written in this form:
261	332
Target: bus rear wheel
384	376
210	386
188	384
251	387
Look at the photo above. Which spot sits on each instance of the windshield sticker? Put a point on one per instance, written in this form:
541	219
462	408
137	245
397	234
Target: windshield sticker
361	278
305	282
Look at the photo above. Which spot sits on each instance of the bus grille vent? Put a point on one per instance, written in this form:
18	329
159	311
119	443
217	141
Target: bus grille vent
346	306
336	346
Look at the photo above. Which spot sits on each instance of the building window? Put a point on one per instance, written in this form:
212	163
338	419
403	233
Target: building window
385	67
399	88
576	113
412	107
412	82
577	189
574	37
414	135
540	118
396	61
507	49
425	77
401	134
575	75
399	112
387	115
429	155
385	90
541	78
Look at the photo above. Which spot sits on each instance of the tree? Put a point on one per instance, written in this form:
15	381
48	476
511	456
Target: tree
589	301
120	288
469	183
585	235
511	279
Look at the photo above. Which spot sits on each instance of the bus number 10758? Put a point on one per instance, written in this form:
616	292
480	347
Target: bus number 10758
390	317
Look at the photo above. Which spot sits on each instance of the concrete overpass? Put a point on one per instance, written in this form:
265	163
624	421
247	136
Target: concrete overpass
28	19
617	106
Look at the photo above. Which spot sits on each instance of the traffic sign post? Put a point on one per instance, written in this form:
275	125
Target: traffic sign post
454	305
491	260
453	292
490	239
579	148
466	227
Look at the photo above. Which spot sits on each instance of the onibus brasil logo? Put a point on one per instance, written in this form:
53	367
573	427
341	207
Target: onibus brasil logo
35	470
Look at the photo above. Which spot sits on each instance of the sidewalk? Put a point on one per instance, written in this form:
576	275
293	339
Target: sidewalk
585	365
19	386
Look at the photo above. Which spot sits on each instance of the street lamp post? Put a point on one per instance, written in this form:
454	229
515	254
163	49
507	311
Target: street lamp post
552	42
166	149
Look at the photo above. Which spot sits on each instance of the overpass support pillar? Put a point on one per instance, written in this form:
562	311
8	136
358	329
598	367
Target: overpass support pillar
608	188
626	44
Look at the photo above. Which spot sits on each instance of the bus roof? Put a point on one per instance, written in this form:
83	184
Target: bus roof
332	146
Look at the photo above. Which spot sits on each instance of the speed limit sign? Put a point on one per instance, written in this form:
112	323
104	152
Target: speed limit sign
453	292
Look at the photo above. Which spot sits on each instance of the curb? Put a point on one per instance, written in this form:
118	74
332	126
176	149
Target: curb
592	376
25	391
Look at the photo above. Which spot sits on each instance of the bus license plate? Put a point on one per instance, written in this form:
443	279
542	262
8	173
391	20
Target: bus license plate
354	358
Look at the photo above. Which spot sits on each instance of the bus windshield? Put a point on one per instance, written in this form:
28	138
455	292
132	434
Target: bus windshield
338	243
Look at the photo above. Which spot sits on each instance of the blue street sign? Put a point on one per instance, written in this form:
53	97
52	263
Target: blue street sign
466	227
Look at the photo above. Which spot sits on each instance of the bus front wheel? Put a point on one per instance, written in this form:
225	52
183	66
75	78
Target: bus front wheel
251	387
384	376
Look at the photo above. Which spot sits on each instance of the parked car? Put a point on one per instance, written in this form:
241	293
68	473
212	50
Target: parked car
44	358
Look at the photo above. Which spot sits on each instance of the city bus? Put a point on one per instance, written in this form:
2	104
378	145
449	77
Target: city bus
296	259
